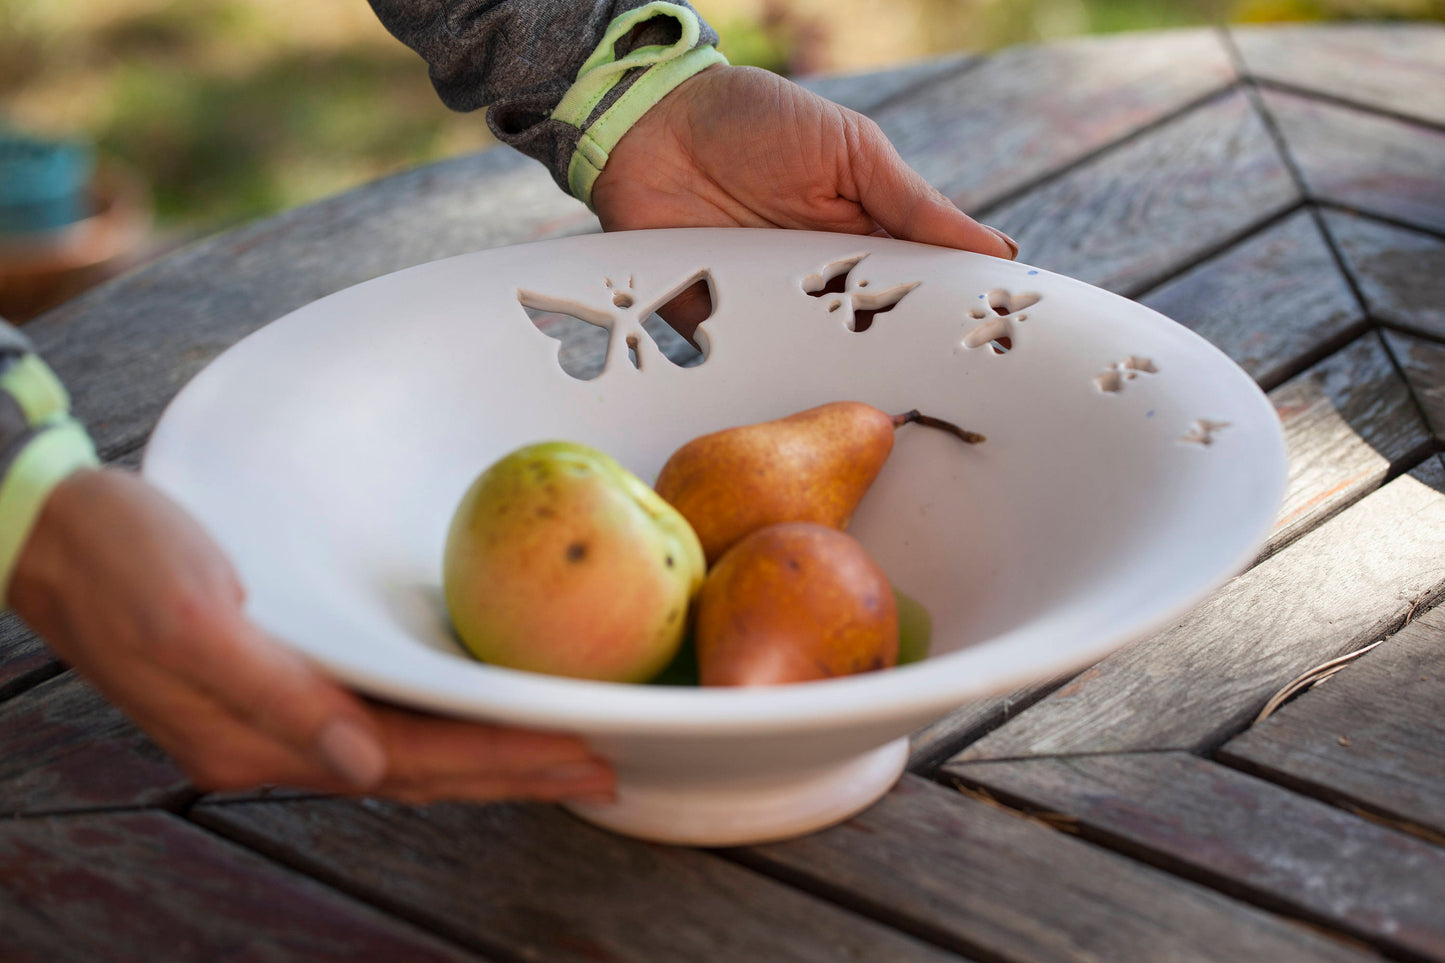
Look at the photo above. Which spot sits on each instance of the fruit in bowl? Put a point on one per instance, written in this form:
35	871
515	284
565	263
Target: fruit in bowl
1028	571
813	466
795	602
559	560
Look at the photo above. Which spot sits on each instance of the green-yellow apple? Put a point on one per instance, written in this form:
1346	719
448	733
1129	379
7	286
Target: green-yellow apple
559	560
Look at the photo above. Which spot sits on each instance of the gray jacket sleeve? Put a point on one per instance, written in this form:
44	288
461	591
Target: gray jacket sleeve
517	58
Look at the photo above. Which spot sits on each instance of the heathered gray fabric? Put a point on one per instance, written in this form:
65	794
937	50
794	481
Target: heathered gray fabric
11	340
15	430
517	58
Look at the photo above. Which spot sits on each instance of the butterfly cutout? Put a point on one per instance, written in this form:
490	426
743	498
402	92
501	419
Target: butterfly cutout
596	337
853	294
996	316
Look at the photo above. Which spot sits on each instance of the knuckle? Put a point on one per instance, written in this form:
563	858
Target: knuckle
263	705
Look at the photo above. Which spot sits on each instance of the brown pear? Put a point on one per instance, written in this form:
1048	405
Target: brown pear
792	603
813	466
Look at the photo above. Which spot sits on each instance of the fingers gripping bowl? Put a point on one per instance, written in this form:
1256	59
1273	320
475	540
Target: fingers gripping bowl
1130	469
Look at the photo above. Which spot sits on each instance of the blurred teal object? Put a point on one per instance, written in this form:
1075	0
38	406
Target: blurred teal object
42	183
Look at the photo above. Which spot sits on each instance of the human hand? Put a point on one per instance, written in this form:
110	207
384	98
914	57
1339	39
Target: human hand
131	592
742	147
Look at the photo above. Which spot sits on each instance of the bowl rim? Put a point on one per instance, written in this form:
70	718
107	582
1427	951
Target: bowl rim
921	690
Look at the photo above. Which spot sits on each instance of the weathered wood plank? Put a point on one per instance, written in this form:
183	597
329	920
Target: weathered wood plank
1400	273
1136	214
1004	887
63	747
148	886
1244	836
1271	303
126	348
1347	421
1362	160
1423	363
1431	472
935	743
866	92
24	659
1201	681
531	882
1031	111
1394	67
1371	736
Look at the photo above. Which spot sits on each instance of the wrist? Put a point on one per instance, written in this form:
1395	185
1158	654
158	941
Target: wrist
644	76
47	553
41	445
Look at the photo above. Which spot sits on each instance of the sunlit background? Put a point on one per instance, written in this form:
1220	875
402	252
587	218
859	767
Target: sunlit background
231	109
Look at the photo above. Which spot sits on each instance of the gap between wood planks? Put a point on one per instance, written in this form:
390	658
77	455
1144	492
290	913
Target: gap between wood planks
1312	677
1073	826
1251	86
173	808
1334	99
261	848
1329	204
983	211
913	89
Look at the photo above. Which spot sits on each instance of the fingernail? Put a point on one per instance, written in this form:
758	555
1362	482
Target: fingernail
1013	245
575	772
352	753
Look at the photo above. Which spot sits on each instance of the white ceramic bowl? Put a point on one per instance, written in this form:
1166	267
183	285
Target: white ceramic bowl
327	451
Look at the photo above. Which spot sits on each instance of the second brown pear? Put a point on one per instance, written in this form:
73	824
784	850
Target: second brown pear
814	466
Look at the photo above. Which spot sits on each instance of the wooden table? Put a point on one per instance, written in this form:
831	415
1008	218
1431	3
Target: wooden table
1281	191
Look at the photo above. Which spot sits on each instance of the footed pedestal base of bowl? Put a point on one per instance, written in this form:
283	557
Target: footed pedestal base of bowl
741	812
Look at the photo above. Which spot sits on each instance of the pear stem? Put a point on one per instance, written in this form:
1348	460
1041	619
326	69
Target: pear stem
972	437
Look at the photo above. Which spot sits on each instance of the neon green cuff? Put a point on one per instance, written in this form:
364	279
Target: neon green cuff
51	454
35	389
664	68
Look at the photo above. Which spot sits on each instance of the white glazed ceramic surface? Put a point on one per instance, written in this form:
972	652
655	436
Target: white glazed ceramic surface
1130	468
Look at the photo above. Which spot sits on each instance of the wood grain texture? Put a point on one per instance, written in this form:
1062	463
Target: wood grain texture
1031	111
866	92
1136	214
935	743
1431	472
143	887
1347	421
127	347
1371	736
1270	302
532	883
1245	836
24	659
1395	67
63	747
1365	161
1003	887
1400	273
1201	681
1423	363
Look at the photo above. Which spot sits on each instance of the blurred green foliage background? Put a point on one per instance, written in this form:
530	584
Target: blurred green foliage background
232	109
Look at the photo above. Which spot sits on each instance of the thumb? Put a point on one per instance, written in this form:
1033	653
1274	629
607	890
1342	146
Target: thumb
911	209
